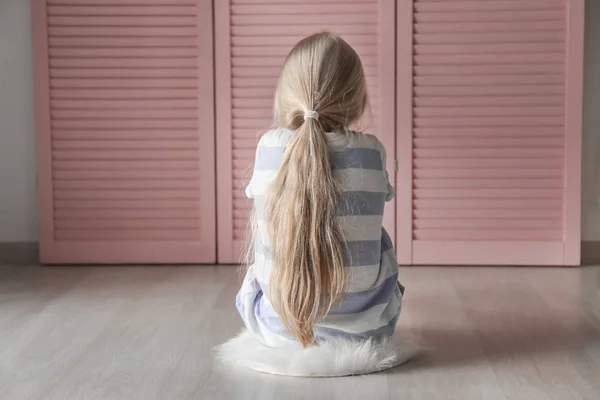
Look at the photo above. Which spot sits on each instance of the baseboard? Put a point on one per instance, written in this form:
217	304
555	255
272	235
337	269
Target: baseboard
26	253
19	253
590	253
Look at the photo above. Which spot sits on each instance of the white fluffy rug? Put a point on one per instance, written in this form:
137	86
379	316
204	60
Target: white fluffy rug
339	357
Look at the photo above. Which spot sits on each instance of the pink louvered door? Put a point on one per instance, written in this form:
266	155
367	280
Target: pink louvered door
252	40
489	131
124	92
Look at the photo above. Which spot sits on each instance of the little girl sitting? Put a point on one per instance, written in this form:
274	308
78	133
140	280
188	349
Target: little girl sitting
324	268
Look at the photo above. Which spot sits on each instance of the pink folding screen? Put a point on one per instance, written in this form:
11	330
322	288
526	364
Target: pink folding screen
252	38
124	92
489	131
479	101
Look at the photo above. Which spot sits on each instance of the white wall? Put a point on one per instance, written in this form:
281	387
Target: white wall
591	124
17	146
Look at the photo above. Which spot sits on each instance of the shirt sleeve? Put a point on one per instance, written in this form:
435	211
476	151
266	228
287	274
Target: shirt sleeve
251	188
245	301
269	154
391	191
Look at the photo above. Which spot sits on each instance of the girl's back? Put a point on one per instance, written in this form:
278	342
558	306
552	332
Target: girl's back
371	300
323	264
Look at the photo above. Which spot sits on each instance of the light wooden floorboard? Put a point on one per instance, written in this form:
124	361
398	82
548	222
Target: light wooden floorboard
147	333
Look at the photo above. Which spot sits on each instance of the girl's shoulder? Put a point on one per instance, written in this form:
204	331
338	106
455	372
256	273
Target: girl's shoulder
364	140
278	137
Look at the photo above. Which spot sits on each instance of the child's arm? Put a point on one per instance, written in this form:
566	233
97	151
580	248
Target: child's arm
246	299
391	191
269	153
250	189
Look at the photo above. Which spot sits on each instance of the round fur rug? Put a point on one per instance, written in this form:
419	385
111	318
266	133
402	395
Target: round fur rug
338	357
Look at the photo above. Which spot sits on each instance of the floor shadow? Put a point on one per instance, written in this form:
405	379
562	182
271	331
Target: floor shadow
532	339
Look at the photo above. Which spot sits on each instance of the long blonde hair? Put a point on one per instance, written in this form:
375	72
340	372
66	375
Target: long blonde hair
324	74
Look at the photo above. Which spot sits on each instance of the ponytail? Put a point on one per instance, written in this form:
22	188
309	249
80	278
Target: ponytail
308	275
321	89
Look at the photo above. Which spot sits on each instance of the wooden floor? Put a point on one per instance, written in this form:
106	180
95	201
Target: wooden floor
147	332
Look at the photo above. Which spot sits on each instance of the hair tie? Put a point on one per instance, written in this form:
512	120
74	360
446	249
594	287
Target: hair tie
311	114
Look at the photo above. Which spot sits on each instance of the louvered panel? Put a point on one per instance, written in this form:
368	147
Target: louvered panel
131	73
487	173
486	235
491	127
128	87
116	194
524	69
256	36
469	26
518	183
147	32
80	236
497	183
118	94
143	104
125	206
125	165
125	184
133	43
120	83
476	165
103	214
112	20
144	3
480	216
117	174
80	10
458	206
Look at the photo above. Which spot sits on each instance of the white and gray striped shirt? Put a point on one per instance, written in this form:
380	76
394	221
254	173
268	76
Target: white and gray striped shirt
371	303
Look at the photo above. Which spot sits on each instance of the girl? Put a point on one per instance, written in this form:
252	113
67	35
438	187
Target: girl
323	265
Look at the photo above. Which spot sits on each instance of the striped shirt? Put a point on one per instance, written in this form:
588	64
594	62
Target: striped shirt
372	298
